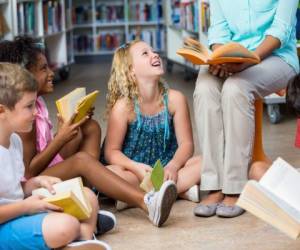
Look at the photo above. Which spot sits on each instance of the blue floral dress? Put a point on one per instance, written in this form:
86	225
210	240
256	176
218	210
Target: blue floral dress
151	137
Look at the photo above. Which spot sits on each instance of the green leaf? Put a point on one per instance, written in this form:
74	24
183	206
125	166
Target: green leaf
157	175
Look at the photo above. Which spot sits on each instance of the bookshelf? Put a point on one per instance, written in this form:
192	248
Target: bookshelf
100	26
46	20
6	21
185	18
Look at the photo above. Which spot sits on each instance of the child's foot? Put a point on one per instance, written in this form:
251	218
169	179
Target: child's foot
228	209
106	221
209	204
87	244
193	194
160	203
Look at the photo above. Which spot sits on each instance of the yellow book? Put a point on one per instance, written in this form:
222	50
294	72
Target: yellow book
275	198
70	196
232	52
76	101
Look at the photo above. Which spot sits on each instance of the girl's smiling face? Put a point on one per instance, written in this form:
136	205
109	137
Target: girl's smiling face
146	63
43	75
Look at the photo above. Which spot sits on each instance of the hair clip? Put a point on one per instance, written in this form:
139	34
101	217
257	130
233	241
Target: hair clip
124	46
39	45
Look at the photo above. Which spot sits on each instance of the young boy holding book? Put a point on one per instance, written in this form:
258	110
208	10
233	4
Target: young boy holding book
157	205
24	220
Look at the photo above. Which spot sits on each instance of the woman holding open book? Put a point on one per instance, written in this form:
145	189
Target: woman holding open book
224	95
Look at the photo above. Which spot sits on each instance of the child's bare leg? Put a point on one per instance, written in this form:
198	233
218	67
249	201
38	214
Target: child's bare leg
87	140
82	164
60	229
258	169
189	175
125	174
87	227
91	133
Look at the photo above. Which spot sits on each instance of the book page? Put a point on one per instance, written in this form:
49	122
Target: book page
74	185
233	50
283	181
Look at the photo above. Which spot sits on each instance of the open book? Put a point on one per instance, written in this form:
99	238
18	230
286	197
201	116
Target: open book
232	52
70	196
76	101
275	198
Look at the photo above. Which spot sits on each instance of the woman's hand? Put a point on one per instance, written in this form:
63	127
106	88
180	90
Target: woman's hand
218	71
232	68
171	173
141	169
35	204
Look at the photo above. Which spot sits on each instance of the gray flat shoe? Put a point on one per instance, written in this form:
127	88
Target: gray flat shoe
229	211
206	210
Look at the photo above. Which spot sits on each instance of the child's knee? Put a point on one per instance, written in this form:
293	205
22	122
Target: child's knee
59	229
92	198
92	127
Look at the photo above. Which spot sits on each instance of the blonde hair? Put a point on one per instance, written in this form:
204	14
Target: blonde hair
121	83
14	81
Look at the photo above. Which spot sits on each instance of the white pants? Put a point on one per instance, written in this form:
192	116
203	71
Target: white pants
224	115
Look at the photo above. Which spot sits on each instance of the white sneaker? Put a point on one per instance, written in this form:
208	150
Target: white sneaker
88	245
159	203
193	194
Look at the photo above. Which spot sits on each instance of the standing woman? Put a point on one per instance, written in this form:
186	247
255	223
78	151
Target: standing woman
224	95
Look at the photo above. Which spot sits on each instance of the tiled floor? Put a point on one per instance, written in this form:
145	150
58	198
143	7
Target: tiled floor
183	230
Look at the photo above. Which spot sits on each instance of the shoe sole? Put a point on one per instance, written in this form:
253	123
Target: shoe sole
88	245
166	200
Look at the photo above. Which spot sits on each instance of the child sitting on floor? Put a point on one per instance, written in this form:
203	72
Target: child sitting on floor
148	121
26	223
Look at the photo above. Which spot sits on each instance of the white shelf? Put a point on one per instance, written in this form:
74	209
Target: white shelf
117	28
3	1
35	25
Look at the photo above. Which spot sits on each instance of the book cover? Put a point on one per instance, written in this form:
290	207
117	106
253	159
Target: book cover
154	179
232	52
70	196
76	101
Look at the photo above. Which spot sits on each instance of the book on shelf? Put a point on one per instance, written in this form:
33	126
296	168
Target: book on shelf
3	25
232	52
76	101
154	179
275	198
70	196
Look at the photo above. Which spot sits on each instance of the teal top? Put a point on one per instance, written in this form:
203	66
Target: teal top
248	22
151	137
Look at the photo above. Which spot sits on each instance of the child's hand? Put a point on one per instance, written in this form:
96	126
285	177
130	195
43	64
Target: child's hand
141	170
90	113
35	204
171	173
218	71
46	182
67	130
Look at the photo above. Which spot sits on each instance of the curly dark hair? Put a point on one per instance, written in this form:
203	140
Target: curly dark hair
293	95
23	50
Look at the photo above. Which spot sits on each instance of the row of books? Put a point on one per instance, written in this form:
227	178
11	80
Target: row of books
82	14
52	16
109	41
154	37
185	15
26	18
110	12
145	12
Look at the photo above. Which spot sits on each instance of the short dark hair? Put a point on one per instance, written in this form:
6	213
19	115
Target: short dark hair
14	82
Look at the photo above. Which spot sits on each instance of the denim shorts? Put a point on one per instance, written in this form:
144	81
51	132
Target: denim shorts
22	233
